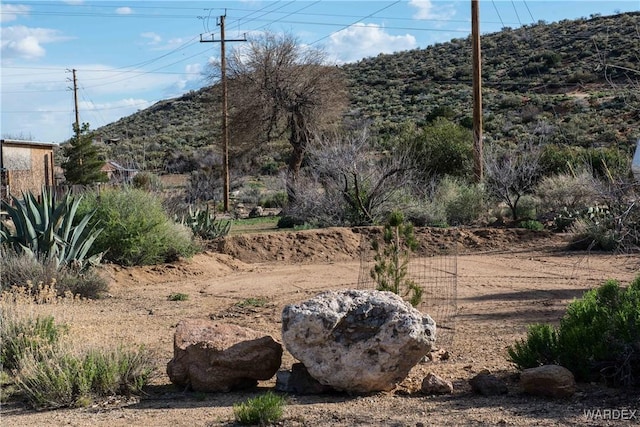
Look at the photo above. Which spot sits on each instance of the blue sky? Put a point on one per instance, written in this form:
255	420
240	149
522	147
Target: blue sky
132	54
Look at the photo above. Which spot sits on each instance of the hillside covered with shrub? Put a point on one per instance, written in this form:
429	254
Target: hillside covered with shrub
573	83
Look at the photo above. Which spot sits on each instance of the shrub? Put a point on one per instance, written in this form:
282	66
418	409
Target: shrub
62	379
511	174
442	148
253	302
532	224
567	191
274	200
22	335
289	222
147	181
463	203
262	410
599	337
178	296
137	231
594	228
450	202
22	270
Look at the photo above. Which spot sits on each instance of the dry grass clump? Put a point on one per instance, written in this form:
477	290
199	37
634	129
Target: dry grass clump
24	270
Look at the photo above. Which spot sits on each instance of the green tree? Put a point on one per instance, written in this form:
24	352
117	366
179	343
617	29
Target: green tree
83	162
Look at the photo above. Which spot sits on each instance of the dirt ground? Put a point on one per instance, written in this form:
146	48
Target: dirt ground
506	280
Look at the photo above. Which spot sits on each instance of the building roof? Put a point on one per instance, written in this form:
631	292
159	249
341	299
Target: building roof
110	165
28	143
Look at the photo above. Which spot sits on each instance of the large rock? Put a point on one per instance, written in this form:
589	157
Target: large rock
548	380
210	356
357	341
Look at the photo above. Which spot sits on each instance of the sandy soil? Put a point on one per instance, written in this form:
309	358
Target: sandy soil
507	279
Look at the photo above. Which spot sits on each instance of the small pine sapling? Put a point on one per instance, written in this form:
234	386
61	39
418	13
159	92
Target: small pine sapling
392	259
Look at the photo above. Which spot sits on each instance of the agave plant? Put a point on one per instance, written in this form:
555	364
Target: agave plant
203	223
46	230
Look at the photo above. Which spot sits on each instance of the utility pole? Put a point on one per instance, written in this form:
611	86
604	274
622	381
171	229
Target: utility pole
75	99
225	112
477	92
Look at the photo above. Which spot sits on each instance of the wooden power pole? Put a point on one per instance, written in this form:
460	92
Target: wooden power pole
225	112
477	92
75	100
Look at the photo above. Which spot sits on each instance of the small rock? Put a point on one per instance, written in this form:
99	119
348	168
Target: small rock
433	384
488	384
548	380
299	381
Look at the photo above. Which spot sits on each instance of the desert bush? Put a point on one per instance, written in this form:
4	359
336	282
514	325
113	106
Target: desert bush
261	410
614	225
205	182
47	229
147	181
449	201
22	270
593	230
288	221
21	335
277	199
603	162
178	296
528	207
63	379
137	231
568	191
441	148
462	203
598	337
532	224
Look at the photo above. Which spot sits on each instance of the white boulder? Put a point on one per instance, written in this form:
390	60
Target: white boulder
357	341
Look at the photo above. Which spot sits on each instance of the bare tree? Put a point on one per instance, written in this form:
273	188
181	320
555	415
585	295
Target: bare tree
510	173
277	88
354	183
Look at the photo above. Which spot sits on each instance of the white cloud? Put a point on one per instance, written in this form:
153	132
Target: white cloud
153	38
364	40
10	12
24	42
194	71
427	10
124	11
424	8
